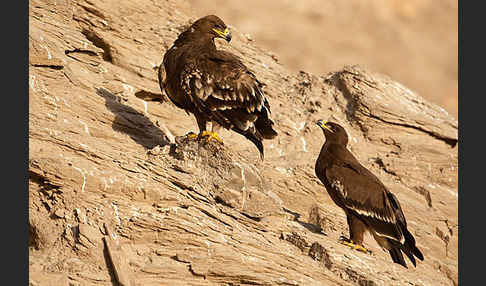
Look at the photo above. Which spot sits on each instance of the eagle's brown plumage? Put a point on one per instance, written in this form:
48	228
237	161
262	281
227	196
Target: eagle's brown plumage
368	204
215	85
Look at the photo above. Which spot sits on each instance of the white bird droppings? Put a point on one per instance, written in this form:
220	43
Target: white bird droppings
304	144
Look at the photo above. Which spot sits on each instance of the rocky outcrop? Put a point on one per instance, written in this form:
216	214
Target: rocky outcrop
118	193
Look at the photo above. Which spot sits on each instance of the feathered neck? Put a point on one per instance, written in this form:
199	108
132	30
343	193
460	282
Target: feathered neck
195	38
329	148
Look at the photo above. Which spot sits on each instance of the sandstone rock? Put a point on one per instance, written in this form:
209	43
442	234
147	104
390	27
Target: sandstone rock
246	192
233	181
320	221
319	253
201	213
42	235
56	279
88	236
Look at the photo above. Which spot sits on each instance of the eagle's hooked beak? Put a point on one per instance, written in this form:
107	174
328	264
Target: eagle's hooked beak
226	34
322	124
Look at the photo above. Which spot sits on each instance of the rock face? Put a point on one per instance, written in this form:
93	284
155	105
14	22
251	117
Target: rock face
118	193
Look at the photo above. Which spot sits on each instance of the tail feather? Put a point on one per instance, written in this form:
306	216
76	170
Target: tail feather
417	253
397	256
410	245
264	125
409	254
253	138
245	124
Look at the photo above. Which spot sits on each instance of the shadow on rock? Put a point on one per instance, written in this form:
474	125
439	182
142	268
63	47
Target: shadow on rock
309	226
133	123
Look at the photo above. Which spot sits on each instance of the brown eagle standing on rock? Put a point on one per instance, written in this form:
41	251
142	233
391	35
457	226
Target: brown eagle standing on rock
215	85
368	204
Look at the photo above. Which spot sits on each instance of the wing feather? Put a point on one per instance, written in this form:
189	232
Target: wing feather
362	193
220	83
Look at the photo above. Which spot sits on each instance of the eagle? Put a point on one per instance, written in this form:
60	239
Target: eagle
214	85
367	203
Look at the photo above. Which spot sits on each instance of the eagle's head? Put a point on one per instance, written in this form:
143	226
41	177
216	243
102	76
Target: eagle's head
333	132
213	26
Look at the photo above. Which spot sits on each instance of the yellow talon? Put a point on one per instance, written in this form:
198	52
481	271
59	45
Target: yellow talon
192	136
361	248
354	246
210	135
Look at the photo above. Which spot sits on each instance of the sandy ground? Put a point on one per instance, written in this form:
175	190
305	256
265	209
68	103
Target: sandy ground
414	42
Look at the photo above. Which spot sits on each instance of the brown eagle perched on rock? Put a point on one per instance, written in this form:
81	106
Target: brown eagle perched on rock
368	204
215	85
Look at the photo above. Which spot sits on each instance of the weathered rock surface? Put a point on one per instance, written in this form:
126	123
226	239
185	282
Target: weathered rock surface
117	192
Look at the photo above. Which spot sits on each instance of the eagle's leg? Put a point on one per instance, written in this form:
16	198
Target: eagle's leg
203	133
356	233
211	134
201	123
